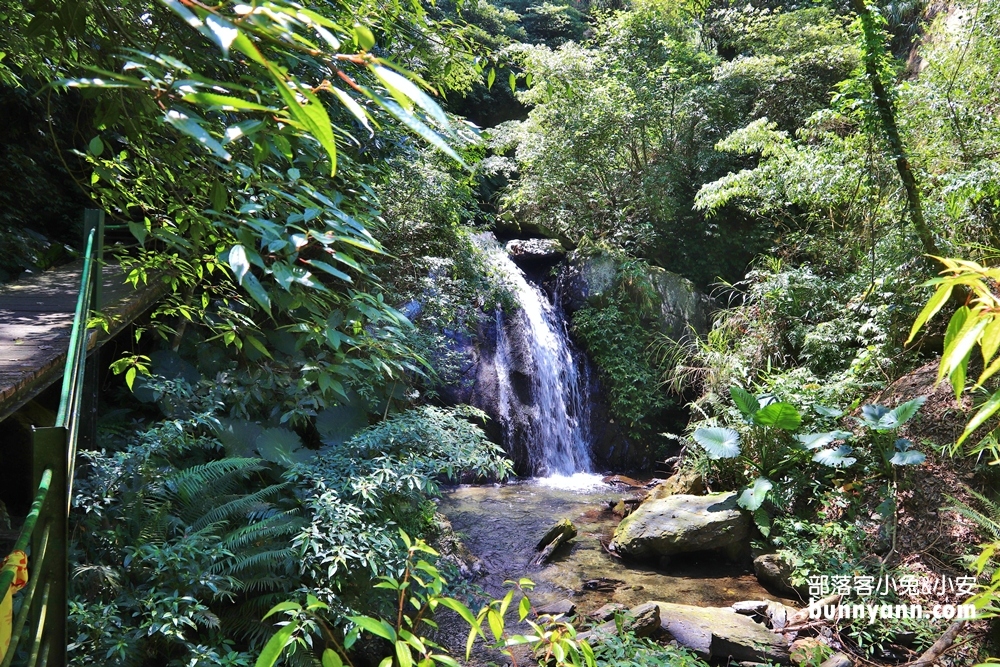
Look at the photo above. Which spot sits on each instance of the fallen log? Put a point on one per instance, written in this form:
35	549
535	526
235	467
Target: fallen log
561	532
931	655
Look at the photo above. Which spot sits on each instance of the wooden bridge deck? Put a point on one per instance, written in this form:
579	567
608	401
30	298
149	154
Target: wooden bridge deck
36	318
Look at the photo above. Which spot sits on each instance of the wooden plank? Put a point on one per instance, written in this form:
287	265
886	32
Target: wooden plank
36	319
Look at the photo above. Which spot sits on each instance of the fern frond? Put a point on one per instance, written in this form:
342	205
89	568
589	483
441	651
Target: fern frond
279	525
239	506
190	483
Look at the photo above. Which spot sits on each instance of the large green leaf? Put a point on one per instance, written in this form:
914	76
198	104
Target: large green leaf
720	443
780	415
275	645
836	458
745	401
817	440
902	413
753	497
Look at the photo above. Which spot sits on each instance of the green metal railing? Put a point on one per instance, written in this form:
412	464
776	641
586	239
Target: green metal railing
44	536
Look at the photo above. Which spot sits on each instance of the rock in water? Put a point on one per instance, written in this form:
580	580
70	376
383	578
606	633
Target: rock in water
563	528
774	572
558	534
721	633
680	524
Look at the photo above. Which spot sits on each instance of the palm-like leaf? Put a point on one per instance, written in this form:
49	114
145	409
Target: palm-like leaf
720	443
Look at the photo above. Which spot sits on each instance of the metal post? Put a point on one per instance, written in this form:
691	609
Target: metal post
50	543
92	219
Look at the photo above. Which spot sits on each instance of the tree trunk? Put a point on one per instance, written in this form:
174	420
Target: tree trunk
887	117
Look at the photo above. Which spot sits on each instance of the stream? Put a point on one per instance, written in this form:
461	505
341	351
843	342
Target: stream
502	524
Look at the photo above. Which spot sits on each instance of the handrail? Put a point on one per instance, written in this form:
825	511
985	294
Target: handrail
45	529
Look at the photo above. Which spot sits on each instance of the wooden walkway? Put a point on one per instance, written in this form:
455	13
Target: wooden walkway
36	318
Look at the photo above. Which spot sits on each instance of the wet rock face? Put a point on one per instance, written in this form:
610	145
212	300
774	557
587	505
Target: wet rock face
681	306
681	524
721	633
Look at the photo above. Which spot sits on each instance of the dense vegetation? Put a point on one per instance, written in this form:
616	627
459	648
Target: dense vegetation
308	179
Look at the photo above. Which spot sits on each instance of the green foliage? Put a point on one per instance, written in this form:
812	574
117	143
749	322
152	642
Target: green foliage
183	548
619	336
420	586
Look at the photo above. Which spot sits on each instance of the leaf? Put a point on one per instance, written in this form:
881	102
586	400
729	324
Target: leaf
988	409
828	412
224	102
523	608
907	458
745	401
512	80
275	645
403	86
836	458
939	298
902	413
257	291
364	37
763	521
403	654
182	122
352	105
420	128
288	605
375	626
720	443
332	659
817	440
490	78
458	608
753	497
95	147
238	262
780	415
130	377
961	346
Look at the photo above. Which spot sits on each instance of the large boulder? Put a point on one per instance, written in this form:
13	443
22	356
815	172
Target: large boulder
680	306
722	634
535	252
682	523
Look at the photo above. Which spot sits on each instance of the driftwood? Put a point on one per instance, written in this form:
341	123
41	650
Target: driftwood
561	532
931	655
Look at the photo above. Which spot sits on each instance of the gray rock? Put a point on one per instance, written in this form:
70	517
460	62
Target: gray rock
535	251
774	572
680	306
685	482
721	633
608	611
642	620
680	524
562	607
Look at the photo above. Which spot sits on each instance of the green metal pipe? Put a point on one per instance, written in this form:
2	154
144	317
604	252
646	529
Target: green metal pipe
78	334
7	576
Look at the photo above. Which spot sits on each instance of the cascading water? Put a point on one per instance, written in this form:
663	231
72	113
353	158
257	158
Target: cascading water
533	342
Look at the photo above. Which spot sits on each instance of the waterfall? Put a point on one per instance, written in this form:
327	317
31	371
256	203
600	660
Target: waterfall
542	383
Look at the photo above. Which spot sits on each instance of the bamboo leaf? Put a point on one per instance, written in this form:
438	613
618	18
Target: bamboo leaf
934	304
988	409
